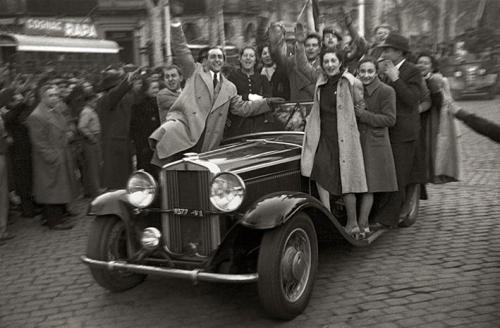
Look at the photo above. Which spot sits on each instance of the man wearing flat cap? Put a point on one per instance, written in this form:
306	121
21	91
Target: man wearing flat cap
406	80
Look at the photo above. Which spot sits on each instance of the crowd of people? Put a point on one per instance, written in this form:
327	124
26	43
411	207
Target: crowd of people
380	125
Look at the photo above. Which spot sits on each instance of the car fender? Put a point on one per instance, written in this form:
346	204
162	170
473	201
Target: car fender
277	208
111	203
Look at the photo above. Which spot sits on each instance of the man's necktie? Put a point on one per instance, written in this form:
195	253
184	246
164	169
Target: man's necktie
215	80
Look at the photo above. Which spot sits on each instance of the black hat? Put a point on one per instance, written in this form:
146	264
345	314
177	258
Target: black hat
109	80
396	41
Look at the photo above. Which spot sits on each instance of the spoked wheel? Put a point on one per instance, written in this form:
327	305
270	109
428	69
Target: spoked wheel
288	261
108	242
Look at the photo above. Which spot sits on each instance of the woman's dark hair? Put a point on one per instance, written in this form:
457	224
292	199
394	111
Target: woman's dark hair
434	62
254	51
368	59
339	53
248	47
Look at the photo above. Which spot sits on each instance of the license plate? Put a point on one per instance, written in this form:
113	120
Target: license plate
187	212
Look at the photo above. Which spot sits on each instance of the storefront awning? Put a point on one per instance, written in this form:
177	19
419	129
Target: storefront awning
55	44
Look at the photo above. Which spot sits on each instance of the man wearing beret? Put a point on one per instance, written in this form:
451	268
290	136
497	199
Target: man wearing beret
406	80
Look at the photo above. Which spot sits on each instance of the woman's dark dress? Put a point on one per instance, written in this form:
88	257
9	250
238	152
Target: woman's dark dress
326	167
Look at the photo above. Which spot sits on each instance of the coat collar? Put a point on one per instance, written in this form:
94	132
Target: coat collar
224	90
370	88
323	78
207	78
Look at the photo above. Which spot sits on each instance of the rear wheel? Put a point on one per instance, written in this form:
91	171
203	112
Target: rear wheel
108	242
287	265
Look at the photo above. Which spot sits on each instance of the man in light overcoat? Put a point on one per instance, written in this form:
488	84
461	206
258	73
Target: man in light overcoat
196	120
54	181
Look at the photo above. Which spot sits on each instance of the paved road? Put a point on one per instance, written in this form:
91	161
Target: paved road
442	272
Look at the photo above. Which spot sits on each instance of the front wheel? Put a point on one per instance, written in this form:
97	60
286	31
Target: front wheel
108	242
287	265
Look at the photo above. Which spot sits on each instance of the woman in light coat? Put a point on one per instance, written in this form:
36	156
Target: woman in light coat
374	123
441	164
331	153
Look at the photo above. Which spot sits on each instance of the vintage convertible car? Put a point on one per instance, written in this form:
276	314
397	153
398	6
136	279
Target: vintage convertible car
239	214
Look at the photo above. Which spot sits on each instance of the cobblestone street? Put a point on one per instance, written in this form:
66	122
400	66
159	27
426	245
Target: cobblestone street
444	271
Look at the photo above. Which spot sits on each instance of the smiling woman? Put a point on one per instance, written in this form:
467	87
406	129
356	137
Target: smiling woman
374	123
332	157
249	82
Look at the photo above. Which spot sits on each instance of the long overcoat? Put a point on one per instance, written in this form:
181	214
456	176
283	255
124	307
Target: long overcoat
374	123
197	110
352	168
54	179
114	111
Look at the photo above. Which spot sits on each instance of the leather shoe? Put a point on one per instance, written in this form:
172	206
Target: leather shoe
62	226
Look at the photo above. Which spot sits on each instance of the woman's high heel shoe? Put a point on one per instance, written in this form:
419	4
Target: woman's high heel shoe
365	233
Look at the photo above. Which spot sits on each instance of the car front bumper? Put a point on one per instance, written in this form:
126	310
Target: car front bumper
195	275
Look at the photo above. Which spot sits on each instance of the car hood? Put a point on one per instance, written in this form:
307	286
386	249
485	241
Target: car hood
255	150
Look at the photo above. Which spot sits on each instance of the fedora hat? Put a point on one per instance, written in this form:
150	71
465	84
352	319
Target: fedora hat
396	41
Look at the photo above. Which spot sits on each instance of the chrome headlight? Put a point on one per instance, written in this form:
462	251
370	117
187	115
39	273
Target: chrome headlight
227	192
458	74
150	238
141	189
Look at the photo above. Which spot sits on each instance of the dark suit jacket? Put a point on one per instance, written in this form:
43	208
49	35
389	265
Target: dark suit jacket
408	94
114	111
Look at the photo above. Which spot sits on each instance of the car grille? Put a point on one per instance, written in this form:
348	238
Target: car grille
188	235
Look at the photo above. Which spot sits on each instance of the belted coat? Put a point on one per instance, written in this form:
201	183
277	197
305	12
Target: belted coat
352	168
54	180
198	110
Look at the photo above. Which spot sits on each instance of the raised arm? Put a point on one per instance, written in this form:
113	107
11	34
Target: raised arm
277	46
181	50
479	124
358	46
301	61
113	97
244	108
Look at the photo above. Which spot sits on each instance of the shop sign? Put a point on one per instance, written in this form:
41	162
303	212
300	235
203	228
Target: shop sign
52	27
